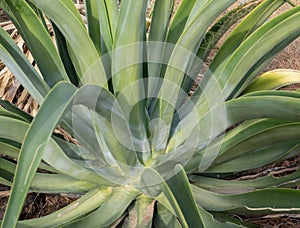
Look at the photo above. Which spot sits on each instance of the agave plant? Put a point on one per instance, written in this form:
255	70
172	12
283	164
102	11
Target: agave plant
149	144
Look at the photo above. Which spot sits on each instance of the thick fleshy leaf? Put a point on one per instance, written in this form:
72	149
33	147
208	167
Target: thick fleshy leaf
279	32
179	21
210	221
153	184
62	47
120	199
87	60
127	70
46	183
34	145
184	54
9	150
55	156
18	64
233	78
272	104
164	218
180	187
242	186
5	112
14	130
15	110
251	22
158	32
254	135
221	27
260	156
212	37
85	204
259	202
93	23
107	19
274	80
157	36
39	42
176	28
105	115
141	213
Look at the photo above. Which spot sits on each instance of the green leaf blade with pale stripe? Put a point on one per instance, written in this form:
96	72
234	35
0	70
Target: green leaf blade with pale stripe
34	146
39	42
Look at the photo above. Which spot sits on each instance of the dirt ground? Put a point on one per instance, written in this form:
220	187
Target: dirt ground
38	204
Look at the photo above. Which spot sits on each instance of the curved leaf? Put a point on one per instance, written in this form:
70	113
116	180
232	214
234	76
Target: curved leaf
242	186
18	64
120	199
164	218
259	202
39	41
85	204
87	60
48	183
33	147
180	187
274	80
141	213
251	22
150	181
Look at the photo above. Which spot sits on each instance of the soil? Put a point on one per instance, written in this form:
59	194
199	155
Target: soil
40	204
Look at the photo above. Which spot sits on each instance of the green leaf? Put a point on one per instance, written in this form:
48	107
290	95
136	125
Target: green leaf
108	125
239	70
85	204
135	23
4	112
242	186
210	221
282	102
183	54
279	32
272	104
177	25
33	147
48	183
13	129
212	37
267	201
260	155
141	213
19	65
274	80
92	22
87	60
55	156
126	71
251	22
248	137
221	27
153	184
180	187
107	19
164	218
62	47
39	41
179	20
9	150
120	199
157	35
15	110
